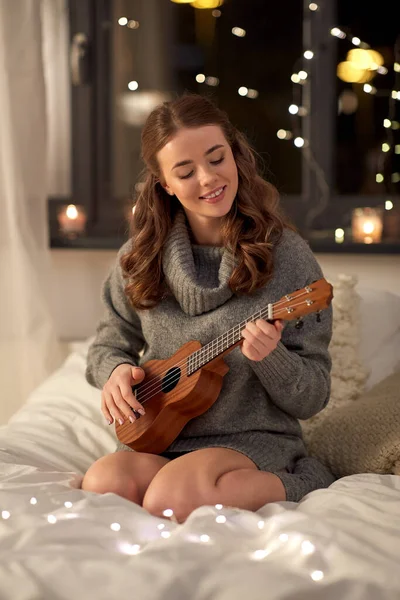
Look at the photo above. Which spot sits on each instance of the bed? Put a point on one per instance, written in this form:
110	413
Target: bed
57	541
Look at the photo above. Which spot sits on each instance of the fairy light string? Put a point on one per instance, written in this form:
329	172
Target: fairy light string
388	173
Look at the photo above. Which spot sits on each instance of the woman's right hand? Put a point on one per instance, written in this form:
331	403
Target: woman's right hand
117	397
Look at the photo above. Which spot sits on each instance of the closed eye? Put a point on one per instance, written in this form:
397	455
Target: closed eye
213	162
186	176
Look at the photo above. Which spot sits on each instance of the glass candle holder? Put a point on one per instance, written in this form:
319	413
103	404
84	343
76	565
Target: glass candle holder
72	220
366	225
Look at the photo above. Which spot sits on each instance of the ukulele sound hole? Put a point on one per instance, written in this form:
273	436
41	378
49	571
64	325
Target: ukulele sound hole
171	379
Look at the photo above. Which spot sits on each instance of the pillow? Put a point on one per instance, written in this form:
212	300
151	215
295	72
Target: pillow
362	436
380	333
61	423
349	374
380	314
359	430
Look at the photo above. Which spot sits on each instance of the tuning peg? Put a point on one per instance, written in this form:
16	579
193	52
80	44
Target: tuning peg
299	323
319	316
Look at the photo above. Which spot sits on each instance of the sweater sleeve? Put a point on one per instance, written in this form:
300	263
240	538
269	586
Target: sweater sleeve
296	375
119	337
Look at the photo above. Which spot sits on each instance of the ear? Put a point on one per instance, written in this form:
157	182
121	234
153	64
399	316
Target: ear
166	187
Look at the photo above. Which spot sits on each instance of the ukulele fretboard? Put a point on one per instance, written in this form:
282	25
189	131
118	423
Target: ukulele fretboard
207	353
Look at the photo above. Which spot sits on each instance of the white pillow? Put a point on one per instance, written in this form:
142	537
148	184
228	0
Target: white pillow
380	333
61	423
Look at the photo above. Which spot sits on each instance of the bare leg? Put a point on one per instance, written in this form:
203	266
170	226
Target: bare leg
125	473
208	477
249	489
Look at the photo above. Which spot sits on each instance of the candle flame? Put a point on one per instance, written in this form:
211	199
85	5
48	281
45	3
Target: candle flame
72	212
368	227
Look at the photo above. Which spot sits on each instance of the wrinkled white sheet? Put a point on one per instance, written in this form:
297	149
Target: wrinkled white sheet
57	541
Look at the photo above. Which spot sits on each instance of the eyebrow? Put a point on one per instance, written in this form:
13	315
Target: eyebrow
188	162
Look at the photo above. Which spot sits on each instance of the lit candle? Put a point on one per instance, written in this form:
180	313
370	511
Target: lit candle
339	235
72	220
367	225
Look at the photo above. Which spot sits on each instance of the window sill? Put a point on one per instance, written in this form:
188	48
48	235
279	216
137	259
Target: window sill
330	247
318	246
87	243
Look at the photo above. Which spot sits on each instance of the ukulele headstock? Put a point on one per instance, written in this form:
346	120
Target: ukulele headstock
313	298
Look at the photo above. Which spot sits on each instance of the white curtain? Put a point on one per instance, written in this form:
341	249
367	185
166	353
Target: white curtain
55	35
29	349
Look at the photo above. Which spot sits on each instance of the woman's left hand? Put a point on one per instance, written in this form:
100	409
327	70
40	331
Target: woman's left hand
261	338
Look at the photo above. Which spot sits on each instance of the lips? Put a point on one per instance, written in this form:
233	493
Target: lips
220	188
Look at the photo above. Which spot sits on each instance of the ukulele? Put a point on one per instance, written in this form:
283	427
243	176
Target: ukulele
189	382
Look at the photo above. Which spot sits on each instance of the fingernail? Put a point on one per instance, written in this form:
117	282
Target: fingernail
141	411
132	419
121	421
108	421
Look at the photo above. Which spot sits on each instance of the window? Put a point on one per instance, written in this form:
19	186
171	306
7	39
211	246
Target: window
160	49
129	55
359	125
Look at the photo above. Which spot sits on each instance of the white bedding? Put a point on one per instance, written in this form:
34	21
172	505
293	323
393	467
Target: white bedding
57	541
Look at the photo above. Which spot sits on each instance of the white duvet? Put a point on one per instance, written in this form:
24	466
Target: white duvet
57	541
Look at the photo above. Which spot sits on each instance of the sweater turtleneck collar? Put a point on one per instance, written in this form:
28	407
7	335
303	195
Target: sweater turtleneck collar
197	275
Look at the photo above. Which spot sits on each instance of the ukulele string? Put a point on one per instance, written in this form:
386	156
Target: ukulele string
263	312
155	382
203	352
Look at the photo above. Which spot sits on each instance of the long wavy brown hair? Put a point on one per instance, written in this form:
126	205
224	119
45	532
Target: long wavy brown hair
250	230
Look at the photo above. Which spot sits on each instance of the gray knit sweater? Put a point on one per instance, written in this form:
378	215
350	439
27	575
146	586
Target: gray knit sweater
260	403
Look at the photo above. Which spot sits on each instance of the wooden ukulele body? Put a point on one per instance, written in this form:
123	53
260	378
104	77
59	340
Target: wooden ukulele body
168	412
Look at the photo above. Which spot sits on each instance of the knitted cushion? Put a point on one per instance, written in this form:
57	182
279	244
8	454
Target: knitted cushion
362	436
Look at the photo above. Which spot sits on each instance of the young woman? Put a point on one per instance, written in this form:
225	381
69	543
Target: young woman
209	248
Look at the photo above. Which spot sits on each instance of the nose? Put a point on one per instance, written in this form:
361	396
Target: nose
207	177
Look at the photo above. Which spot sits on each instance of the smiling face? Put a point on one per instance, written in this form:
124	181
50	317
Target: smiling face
198	166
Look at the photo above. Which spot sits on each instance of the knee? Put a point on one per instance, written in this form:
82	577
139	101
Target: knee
161	495
157	500
103	477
